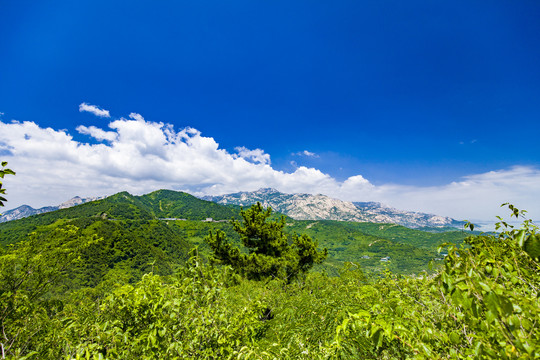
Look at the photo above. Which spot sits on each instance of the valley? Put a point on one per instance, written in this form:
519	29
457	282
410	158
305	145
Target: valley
165	224
133	277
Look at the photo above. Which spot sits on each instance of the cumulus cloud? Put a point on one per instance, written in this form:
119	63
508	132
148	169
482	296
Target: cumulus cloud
94	110
140	156
256	156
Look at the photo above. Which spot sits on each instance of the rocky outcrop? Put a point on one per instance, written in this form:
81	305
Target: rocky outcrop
25	210
322	207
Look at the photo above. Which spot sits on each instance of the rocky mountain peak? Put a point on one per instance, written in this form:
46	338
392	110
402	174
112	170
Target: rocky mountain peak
25	210
322	207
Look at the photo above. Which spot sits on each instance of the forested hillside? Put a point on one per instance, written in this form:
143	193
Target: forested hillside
170	217
124	206
124	278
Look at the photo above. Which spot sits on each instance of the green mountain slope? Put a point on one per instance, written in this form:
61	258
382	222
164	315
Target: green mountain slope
397	233
126	250
132	240
408	250
123	206
174	204
138	231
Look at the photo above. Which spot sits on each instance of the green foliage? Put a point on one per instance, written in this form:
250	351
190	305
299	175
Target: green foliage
175	204
123	206
130	248
127	250
410	251
345	241
482	303
421	239
186	316
270	253
4	172
528	237
28	270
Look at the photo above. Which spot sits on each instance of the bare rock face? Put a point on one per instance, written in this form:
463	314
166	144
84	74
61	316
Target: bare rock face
408	218
322	207
77	200
25	210
297	206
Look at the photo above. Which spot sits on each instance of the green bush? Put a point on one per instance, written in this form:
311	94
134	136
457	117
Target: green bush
483	303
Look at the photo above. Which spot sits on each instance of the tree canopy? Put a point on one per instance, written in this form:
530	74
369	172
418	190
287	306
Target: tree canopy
271	253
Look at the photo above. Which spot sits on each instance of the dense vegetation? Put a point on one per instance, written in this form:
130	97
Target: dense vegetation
136	218
124	206
98	287
271	253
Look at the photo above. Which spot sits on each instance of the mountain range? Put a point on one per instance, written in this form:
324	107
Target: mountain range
26	210
157	230
297	206
322	207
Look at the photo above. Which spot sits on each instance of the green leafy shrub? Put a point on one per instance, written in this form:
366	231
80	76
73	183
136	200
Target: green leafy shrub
4	172
185	316
28	271
483	304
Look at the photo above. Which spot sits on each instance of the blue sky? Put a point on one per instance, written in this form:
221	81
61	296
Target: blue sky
415	94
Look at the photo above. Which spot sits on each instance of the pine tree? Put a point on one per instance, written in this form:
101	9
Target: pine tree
271	252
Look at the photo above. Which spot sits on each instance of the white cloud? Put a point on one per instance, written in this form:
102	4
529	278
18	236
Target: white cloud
94	110
475	197
140	156
96	133
257	156
305	153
